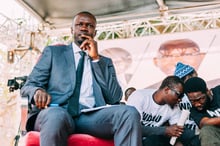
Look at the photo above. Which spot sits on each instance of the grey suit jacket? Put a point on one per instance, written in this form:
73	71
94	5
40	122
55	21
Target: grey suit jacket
55	72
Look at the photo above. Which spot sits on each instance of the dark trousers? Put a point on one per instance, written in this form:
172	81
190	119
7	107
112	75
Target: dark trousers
210	136
188	138
156	140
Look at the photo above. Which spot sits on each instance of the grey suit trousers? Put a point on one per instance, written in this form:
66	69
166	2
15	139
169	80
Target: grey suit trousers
121	123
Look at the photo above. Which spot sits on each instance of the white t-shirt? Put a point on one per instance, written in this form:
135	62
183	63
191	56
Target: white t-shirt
152	114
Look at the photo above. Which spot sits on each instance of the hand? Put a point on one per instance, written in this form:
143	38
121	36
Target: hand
174	130
90	45
41	98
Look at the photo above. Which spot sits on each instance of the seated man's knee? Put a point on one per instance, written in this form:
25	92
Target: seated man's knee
208	135
132	112
206	131
57	117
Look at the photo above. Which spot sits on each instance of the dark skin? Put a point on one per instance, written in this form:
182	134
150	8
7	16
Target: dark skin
199	100
83	31
167	96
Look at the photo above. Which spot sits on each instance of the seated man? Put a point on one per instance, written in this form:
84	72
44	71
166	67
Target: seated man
69	87
185	72
205	110
157	107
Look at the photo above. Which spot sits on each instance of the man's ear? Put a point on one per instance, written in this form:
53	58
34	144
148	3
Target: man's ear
72	30
94	34
209	93
166	89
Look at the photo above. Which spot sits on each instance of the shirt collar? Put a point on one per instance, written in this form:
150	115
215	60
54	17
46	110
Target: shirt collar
76	49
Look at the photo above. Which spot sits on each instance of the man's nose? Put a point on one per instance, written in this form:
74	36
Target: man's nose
84	27
196	104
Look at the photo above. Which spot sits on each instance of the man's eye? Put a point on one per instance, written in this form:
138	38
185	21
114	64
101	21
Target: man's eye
84	25
90	26
79	24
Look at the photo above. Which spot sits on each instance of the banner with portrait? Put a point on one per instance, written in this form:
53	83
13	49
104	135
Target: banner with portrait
144	62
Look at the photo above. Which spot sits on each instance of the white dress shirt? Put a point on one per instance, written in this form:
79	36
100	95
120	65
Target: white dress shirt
86	97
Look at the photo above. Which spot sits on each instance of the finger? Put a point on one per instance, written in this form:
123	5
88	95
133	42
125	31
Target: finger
84	44
180	128
87	47
37	100
40	101
43	101
178	134
48	100
178	131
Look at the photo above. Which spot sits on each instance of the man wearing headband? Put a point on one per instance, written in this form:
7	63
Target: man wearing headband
205	109
185	72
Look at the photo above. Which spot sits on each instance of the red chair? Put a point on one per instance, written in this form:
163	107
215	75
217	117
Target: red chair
33	139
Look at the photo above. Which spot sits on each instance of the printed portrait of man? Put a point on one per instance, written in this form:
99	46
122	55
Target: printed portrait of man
122	60
180	50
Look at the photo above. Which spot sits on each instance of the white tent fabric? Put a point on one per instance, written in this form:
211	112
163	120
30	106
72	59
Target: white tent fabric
59	13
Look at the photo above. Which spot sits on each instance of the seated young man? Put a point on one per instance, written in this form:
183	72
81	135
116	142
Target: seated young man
205	110
157	107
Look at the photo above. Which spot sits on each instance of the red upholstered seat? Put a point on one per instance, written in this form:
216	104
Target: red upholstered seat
88	140
32	139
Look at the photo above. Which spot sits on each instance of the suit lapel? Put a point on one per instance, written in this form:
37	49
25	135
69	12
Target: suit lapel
70	62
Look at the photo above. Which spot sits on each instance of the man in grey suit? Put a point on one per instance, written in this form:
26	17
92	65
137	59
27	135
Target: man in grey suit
51	84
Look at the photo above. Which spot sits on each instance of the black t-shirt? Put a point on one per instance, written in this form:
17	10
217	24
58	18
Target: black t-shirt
212	108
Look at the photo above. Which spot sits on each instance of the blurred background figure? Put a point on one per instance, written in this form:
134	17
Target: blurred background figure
128	92
185	71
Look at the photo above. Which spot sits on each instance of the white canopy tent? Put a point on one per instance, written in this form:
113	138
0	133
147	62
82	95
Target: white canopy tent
59	13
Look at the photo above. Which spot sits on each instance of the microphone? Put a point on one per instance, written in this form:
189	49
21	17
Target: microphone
182	120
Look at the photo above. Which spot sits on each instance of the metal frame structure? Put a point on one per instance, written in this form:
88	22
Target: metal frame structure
138	25
14	31
165	23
